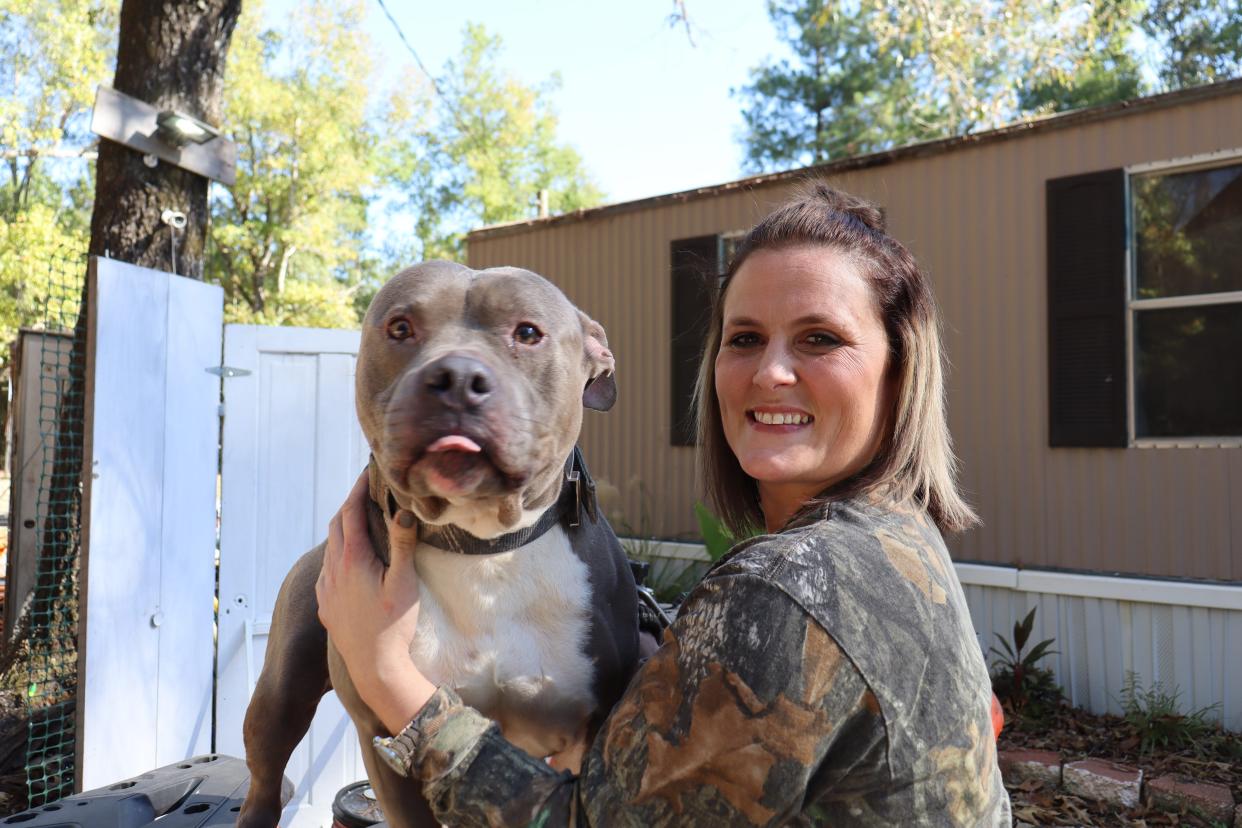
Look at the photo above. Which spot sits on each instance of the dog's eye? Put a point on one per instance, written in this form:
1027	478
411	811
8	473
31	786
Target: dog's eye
400	329
527	334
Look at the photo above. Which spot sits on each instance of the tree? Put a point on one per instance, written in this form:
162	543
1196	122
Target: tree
1202	40
53	53
1108	70
325	207
287	239
486	149
842	97
871	74
172	56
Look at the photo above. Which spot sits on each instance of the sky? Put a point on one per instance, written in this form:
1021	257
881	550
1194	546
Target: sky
649	111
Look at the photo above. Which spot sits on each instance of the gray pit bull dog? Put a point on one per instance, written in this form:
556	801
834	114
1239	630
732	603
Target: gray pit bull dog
470	390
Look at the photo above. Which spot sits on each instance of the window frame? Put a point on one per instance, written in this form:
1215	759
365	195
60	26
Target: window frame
1134	305
723	239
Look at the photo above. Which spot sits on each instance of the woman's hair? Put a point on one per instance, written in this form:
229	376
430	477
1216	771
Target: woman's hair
915	462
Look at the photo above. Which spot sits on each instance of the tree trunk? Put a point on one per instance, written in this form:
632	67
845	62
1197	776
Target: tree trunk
171	55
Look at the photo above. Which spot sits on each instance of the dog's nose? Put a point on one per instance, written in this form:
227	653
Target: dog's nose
459	382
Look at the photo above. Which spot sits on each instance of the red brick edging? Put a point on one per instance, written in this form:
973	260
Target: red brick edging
1121	786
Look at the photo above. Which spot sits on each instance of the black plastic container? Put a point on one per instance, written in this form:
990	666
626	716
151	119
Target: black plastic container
355	806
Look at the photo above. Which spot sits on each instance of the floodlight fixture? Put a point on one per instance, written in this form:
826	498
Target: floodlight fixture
166	136
179	129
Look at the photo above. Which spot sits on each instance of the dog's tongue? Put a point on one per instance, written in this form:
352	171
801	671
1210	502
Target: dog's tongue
454	442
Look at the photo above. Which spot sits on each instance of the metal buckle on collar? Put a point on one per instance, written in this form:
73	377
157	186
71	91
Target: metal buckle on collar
575	478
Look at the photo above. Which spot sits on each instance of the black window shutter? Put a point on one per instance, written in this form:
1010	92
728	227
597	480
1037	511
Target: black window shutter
695	267
1086	310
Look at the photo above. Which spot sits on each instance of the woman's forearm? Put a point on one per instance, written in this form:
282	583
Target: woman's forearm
394	689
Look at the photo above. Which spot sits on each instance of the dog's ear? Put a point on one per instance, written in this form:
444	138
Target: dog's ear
600	392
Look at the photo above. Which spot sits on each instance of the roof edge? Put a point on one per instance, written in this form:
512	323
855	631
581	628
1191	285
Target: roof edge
1046	123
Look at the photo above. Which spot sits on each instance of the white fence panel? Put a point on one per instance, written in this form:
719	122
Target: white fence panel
292	449
1184	636
149	535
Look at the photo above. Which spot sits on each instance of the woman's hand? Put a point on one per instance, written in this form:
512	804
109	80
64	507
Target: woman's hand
371	612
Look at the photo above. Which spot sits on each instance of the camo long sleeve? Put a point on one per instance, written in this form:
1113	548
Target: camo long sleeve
826	675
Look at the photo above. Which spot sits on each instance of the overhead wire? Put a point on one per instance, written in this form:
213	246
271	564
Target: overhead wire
435	85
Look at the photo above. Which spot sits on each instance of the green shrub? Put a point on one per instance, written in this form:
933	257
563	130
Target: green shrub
1158	722
1026	690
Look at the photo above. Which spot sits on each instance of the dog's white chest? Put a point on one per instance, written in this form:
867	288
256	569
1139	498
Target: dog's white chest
508	633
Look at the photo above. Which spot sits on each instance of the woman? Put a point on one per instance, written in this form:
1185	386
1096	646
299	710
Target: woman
823	673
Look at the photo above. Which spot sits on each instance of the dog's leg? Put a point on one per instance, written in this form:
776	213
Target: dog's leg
400	798
293	680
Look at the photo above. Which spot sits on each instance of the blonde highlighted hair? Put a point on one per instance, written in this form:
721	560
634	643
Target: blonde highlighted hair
916	463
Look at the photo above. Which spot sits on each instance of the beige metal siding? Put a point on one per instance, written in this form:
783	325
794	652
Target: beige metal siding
974	217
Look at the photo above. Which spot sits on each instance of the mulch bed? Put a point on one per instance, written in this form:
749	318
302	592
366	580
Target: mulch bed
1076	734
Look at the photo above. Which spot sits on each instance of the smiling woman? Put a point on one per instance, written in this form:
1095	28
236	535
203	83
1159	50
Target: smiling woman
824	673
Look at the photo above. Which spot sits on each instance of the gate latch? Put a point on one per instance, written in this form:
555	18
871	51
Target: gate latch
227	371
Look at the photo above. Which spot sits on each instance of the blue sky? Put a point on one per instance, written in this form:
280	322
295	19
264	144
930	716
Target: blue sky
649	112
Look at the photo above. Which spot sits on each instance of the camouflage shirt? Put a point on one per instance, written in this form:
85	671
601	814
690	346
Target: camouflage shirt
827	675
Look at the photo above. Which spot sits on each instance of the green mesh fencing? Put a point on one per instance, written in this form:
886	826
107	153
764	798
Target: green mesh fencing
52	618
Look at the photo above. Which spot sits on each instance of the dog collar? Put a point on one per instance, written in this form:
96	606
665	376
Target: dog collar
577	491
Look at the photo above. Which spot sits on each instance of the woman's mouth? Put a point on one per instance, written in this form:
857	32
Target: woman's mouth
779	418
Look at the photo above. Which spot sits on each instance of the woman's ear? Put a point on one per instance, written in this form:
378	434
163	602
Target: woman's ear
600	392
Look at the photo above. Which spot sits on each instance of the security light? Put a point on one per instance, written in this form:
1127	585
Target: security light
179	129
168	137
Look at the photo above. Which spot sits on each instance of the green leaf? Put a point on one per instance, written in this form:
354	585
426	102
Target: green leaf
1009	654
1039	651
716	536
1022	630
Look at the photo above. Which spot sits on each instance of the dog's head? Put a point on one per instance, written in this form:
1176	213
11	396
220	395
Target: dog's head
470	390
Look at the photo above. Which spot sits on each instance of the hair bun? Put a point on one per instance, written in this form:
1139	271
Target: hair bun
851	205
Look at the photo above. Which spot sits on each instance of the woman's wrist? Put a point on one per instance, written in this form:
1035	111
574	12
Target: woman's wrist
394	689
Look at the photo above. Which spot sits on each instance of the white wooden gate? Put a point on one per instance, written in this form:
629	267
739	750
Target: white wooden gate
289	450
292	449
149	522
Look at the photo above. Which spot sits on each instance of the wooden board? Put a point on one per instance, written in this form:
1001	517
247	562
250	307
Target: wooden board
148	577
292	448
132	123
41	366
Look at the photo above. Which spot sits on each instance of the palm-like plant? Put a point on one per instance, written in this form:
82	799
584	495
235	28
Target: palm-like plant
1022	686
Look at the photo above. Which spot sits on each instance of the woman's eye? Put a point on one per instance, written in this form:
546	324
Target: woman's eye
822	340
400	329
527	334
743	340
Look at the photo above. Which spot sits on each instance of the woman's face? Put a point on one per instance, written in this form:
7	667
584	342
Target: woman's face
801	373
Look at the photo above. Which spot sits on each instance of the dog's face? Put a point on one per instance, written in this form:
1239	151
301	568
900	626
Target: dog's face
470	389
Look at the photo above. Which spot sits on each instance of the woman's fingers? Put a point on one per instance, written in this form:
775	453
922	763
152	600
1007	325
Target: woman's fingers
403	534
347	554
353	515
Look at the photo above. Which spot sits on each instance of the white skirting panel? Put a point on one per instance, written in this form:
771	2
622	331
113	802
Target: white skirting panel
1183	635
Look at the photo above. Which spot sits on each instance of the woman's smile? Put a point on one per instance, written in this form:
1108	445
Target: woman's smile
778	420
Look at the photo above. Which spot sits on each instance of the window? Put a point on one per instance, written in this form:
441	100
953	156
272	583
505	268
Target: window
729	243
695	269
1145	305
697	265
1185	302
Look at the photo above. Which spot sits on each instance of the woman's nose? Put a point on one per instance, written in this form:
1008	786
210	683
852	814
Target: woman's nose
775	368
